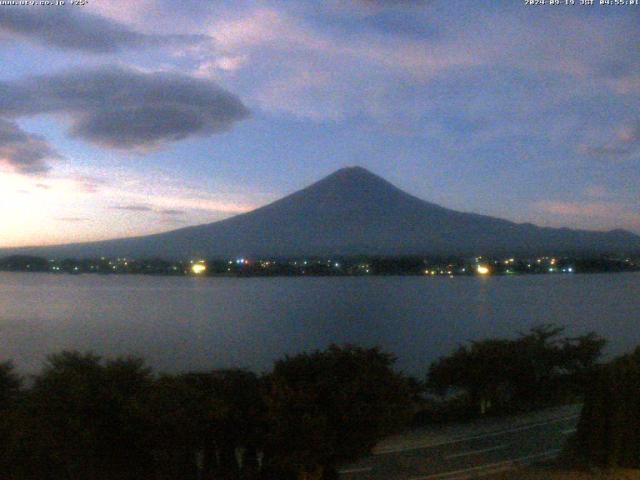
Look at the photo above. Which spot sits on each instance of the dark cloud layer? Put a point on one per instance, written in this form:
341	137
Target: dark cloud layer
71	29
24	152
126	109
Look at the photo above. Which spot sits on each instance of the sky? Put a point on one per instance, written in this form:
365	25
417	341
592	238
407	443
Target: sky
121	118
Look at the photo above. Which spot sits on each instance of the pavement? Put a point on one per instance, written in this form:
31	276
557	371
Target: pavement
472	450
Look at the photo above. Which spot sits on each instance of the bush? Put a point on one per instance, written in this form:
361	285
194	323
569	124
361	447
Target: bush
214	416
10	392
332	406
85	418
534	370
609	428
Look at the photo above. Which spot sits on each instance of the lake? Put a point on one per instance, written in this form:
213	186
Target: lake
184	323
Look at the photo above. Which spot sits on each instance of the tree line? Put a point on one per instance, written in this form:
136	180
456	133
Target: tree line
85	417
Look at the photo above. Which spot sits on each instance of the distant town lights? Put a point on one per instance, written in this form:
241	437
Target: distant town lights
482	270
198	268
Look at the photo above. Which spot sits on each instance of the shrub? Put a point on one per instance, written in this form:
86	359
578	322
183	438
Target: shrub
609	427
536	369
332	406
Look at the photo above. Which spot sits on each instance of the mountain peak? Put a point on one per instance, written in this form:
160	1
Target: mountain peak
355	175
354	183
353	170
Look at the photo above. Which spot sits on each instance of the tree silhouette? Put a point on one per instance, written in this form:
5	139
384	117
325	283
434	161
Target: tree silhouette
10	384
216	416
534	369
86	418
609	427
332	406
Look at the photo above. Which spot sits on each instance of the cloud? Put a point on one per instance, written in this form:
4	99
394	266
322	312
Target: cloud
166	212
597	191
71	219
87	183
43	186
364	8
604	151
607	214
624	144
401	62
133	208
392	3
70	29
161	16
265	27
171	212
126	109
168	216
23	152
322	70
210	68
592	209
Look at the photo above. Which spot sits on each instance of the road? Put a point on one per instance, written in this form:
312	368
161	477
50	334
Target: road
468	451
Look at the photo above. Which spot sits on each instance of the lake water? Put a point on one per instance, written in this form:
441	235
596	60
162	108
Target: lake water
181	323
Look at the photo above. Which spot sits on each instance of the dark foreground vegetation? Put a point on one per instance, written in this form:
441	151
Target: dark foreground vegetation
537	369
87	419
82	417
609	429
607	443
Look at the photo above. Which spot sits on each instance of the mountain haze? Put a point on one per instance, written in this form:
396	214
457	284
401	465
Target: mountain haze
352	211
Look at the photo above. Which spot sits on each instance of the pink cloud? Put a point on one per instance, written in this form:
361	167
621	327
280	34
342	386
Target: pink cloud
608	214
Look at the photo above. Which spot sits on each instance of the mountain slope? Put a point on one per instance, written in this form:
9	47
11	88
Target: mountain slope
353	211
